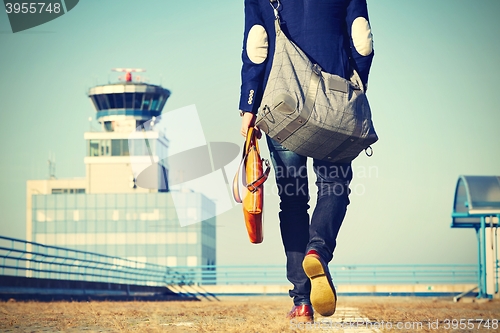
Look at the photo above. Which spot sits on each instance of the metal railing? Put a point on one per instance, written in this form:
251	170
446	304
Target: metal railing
341	274
29	259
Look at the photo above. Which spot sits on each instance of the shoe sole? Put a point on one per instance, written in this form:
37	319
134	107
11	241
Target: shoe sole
322	294
301	319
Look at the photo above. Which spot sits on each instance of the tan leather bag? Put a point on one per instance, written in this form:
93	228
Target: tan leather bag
252	176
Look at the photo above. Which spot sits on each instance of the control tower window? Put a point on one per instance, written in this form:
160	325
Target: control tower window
125	151
111	100
138	101
94	148
161	101
119	99
147	102
108	126
129	100
95	100
154	103
102	101
119	147
105	147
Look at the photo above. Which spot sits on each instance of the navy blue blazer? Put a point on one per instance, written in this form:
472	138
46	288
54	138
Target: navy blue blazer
335	34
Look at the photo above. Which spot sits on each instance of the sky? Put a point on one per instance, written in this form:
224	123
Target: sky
433	92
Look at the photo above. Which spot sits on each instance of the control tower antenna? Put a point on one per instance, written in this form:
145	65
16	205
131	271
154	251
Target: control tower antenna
128	71
52	166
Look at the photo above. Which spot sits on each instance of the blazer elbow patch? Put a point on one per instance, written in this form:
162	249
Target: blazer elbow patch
257	44
362	36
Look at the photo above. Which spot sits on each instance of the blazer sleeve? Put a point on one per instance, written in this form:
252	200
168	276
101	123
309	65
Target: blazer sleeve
254	56
361	38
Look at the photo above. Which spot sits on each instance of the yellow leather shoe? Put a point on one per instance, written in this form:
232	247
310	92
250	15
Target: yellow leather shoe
323	294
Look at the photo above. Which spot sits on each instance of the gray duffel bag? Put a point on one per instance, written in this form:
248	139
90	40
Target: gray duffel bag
311	112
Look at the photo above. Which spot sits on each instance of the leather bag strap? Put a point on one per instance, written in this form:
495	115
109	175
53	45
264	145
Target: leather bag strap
251	143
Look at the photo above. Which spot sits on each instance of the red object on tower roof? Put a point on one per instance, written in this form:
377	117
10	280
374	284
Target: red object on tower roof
128	71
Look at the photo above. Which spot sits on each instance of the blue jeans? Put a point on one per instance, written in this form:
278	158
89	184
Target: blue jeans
298	235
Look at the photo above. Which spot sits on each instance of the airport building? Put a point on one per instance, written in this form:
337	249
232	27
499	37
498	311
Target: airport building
107	212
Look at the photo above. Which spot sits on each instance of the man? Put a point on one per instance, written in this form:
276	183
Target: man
335	34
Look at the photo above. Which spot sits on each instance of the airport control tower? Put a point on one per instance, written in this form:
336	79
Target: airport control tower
106	211
122	108
129	103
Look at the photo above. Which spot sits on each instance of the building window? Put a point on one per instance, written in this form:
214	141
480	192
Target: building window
119	99
125	226
147	101
105	147
40	238
161	102
100	238
108	147
102	101
68	190
142	147
141	238
140	262
192	261
138	101
60	215
71	239
171	261
111	101
192	213
154	103
153	216
50	238
116	147
171	238
93	147
96	102
129	100
181	237
191	238
91	238
40	216
108	126
119	147
61	239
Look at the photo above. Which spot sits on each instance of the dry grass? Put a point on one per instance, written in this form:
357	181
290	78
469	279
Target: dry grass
228	315
429	310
